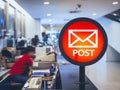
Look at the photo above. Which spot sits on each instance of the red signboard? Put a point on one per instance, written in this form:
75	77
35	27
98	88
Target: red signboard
83	41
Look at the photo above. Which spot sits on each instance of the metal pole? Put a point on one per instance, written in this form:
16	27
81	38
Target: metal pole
82	77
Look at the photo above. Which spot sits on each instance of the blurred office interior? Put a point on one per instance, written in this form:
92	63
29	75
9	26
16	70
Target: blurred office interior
38	23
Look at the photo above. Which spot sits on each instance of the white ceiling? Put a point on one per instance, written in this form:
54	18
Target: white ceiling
60	9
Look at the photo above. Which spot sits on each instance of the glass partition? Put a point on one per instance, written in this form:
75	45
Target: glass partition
2	19
11	22
19	24
2	23
24	29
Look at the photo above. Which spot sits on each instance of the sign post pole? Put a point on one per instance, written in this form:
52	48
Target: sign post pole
83	42
81	77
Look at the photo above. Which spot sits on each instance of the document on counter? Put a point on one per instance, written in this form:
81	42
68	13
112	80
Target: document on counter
40	72
35	64
3	72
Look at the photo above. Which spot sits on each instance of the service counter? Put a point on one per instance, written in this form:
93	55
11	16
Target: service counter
41	78
4	74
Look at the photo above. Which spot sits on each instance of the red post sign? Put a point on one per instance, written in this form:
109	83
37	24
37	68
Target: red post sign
83	41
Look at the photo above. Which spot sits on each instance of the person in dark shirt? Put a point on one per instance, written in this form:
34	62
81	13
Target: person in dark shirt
6	53
9	42
21	43
19	71
45	38
35	40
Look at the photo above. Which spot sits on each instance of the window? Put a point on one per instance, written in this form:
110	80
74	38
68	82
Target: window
19	24
2	19
24	26
11	21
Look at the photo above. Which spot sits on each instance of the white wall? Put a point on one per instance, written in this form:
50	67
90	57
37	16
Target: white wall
43	29
112	29
32	25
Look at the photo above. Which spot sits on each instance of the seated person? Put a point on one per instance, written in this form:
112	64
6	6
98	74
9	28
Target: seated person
35	40
10	41
19	71
21	43
6	53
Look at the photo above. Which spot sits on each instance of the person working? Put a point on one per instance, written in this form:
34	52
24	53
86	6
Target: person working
35	40
45	38
6	53
19	71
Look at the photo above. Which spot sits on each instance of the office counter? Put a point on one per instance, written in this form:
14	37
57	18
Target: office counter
4	74
39	81
45	74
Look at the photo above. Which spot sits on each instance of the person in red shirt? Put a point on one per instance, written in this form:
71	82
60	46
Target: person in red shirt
21	65
19	71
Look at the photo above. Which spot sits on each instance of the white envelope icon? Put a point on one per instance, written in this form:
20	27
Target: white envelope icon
93	44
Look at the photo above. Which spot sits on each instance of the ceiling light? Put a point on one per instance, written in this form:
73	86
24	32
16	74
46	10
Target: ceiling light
50	20
51	25
94	14
49	14
46	3
115	3
114	14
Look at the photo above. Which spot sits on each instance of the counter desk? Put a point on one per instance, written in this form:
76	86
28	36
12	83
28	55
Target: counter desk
38	81
4	74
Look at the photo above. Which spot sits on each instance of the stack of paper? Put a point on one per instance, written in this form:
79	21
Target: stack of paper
38	73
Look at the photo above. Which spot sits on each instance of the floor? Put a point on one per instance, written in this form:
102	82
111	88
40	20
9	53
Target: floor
104	75
70	76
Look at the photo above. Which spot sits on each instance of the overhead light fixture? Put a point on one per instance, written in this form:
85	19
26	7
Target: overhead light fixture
51	25
94	14
114	14
46	3
115	3
50	20
49	14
